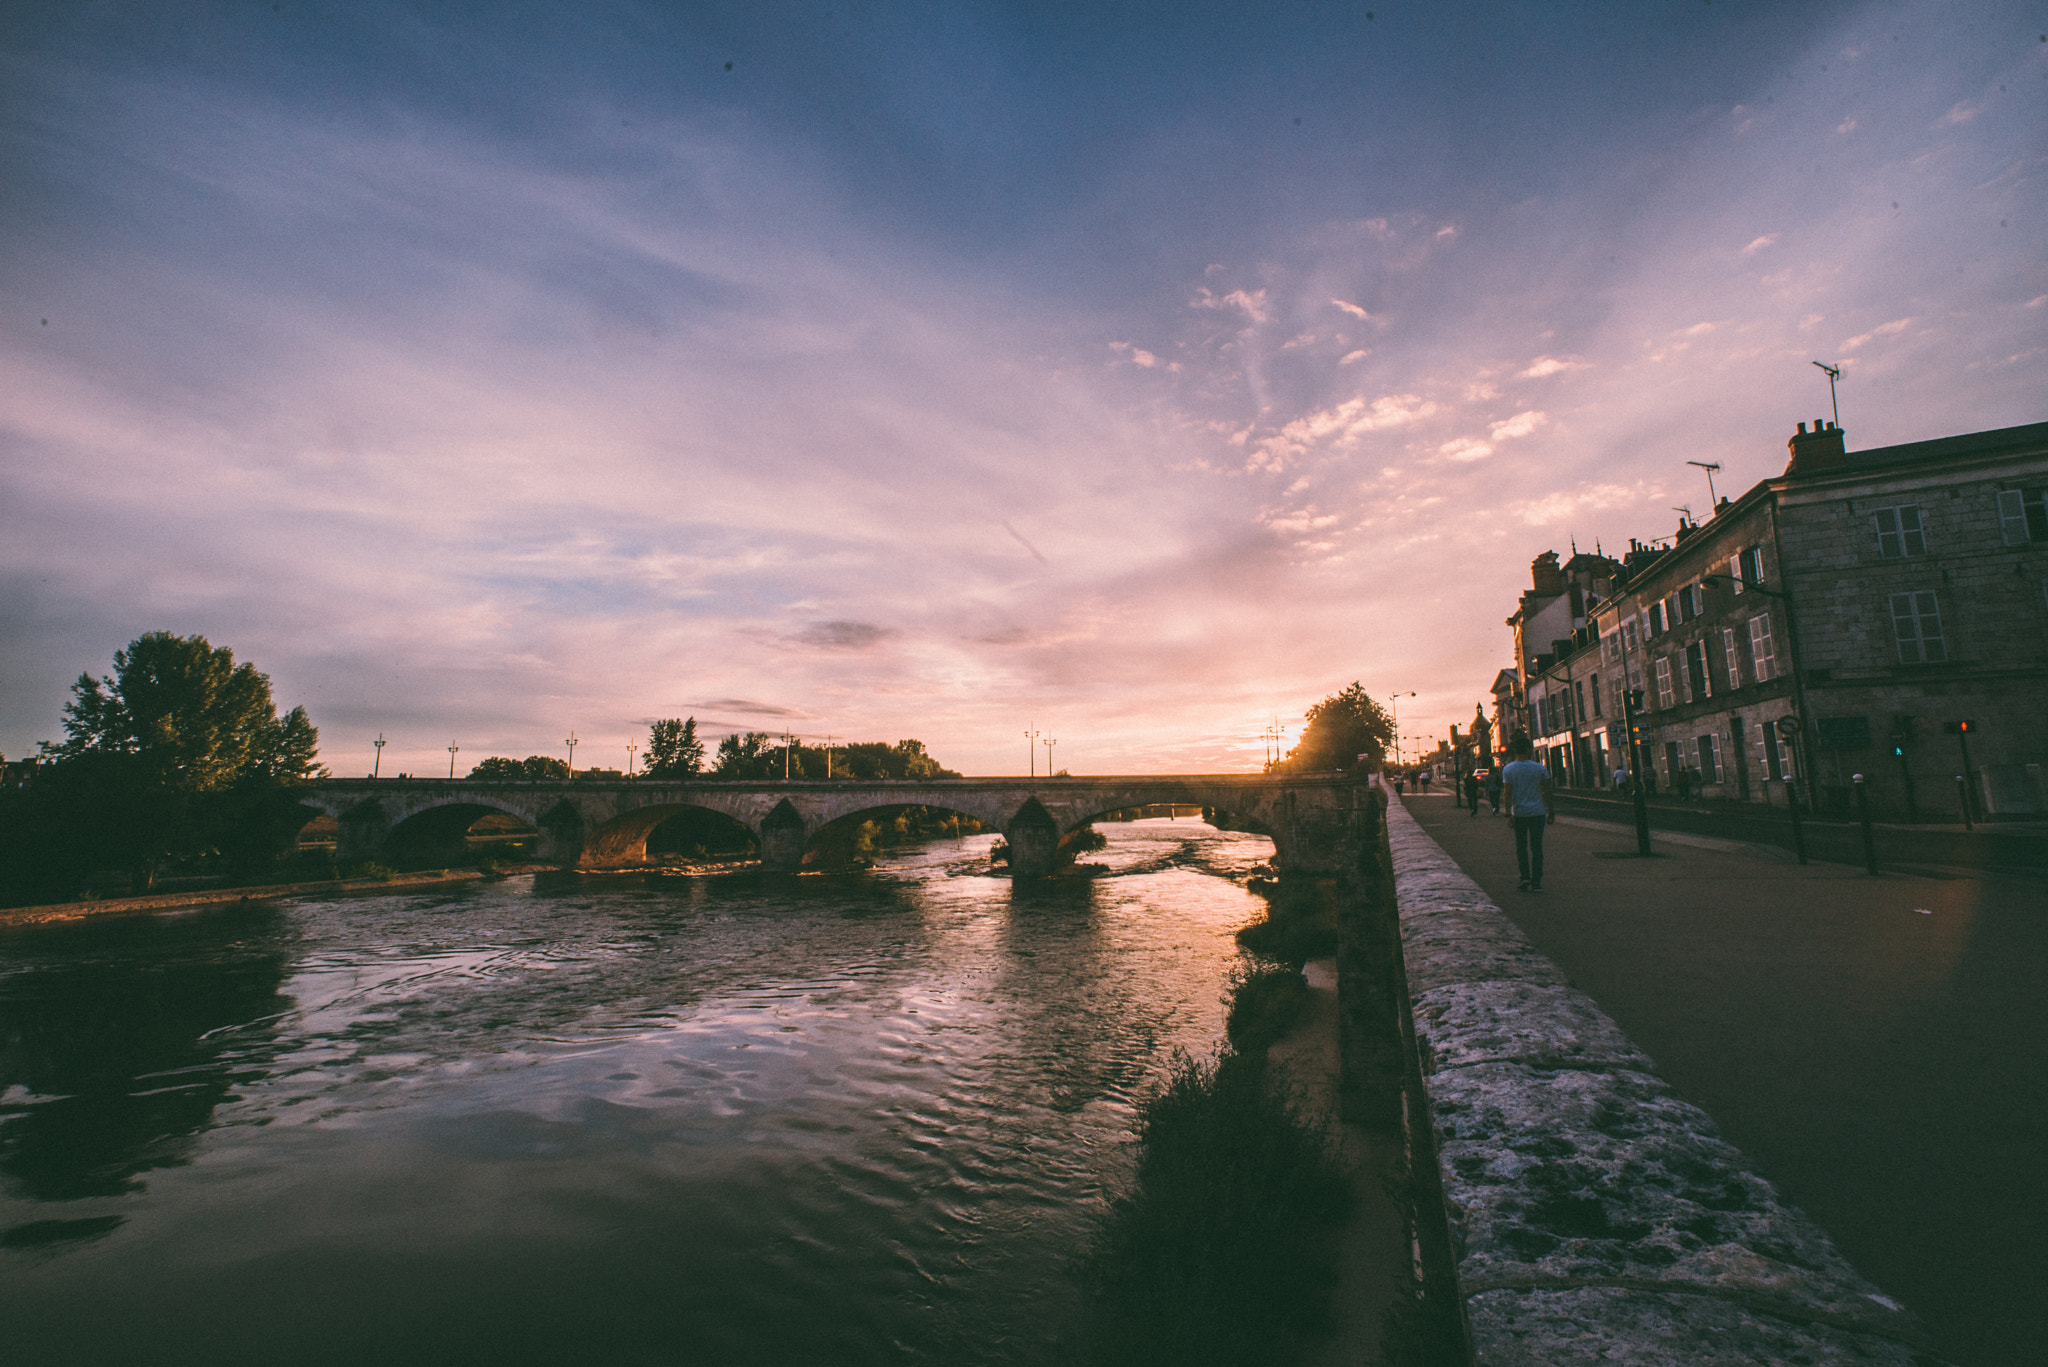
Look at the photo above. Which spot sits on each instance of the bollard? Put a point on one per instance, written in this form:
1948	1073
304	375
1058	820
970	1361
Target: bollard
1798	829
1642	818
1863	816
1963	801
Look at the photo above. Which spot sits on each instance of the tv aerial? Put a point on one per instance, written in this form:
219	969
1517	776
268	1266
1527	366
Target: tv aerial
1834	372
1709	466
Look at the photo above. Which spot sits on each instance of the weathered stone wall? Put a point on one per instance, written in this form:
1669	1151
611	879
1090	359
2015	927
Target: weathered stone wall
1596	1216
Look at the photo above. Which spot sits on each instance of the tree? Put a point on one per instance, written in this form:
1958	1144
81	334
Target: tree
180	751
743	756
673	750
1340	728
189	718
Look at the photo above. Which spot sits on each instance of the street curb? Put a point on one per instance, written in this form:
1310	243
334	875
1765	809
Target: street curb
1596	1216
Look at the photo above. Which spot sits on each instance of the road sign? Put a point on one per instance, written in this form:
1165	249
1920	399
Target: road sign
1788	727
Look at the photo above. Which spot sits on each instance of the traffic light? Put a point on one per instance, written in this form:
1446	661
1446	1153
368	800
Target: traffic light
1635	699
1960	728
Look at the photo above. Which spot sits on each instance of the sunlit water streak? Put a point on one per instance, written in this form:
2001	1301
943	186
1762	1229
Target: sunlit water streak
868	1118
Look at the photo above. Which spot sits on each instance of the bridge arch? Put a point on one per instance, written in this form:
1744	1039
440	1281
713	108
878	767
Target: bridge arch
439	834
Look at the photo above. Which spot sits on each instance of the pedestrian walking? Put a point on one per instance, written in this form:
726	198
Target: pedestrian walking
1620	777
1528	793
1472	793
1494	783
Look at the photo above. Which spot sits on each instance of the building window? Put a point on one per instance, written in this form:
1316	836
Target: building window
1693	600
1753	566
1763	653
1696	678
1899	532
1596	695
2023	515
1733	658
1710	761
1674	763
1579	691
1664	694
1916	621
1613	647
1615	700
1657	618
1628	635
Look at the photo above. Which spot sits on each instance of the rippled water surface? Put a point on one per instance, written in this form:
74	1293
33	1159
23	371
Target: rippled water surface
867	1118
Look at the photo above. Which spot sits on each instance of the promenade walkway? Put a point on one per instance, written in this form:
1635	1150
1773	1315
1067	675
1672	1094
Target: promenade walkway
1878	1048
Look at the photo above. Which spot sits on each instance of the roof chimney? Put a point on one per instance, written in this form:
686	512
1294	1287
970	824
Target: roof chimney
1820	449
1546	576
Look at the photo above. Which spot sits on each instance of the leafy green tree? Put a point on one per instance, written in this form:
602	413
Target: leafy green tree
179	752
743	755
673	749
532	769
498	769
544	768
1340	728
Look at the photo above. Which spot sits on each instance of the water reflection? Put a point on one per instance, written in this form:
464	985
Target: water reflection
111	1050
850	1119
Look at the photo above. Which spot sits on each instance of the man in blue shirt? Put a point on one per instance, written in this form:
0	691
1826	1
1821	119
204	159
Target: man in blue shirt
1527	786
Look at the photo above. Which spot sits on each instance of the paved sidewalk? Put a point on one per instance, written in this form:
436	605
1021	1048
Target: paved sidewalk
1877	1047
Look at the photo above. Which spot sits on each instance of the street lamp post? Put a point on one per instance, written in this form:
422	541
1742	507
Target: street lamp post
1049	743
378	763
631	749
1031	750
571	743
1394	716
452	748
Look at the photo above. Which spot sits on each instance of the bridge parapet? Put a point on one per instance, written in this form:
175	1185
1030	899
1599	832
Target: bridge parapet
605	823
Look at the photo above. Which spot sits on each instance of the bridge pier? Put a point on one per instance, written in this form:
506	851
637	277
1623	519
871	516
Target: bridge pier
783	838
362	832
1034	839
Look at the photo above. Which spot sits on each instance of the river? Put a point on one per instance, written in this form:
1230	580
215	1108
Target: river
833	1119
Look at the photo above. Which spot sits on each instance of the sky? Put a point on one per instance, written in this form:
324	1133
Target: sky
1133	374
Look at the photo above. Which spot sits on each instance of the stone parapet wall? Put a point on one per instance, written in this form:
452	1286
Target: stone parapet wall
1596	1216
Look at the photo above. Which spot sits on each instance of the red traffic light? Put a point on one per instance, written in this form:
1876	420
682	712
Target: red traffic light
1960	728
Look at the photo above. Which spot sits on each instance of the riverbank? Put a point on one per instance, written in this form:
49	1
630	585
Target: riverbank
180	901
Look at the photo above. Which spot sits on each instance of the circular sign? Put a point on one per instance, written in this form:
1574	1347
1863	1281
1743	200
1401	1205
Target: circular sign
1788	726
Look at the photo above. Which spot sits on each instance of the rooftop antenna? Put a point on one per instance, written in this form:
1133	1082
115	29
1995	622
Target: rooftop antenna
1684	512
1709	466
1834	372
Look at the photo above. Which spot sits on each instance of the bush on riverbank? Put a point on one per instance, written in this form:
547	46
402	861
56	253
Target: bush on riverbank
1300	924
1264	1007
1222	1252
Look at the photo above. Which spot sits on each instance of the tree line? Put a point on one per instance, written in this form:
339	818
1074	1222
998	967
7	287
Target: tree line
675	751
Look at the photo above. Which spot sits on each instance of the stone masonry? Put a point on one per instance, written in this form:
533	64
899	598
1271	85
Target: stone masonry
1596	1216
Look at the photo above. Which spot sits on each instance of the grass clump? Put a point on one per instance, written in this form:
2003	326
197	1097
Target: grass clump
1222	1252
1300	924
1264	1007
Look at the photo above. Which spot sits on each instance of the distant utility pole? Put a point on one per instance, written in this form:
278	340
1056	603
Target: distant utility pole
1049	743
1834	372
571	743
828	755
787	740
1709	466
1031	749
631	747
452	748
379	762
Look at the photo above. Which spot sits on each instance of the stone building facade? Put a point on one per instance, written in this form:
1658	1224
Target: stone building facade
1877	599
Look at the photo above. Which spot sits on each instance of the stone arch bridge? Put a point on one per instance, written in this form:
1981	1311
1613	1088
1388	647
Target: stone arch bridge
597	824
